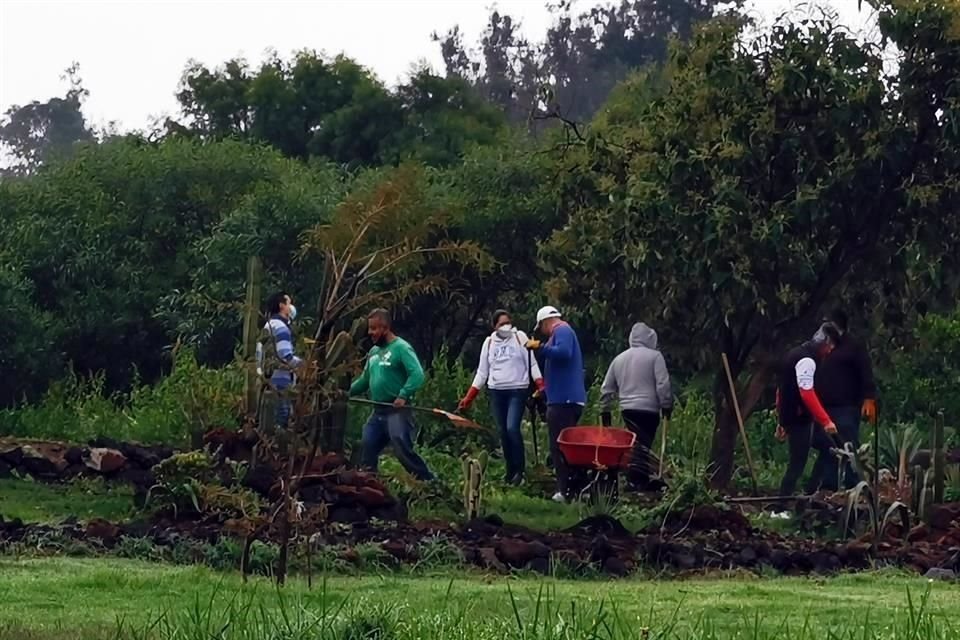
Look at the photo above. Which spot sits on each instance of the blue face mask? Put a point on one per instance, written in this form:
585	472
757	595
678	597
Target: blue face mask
293	313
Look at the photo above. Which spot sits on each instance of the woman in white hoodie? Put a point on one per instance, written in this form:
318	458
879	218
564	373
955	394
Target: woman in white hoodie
506	369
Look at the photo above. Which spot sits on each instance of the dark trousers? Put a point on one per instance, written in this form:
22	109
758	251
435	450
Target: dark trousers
508	407
394	427
827	468
800	437
559	417
644	424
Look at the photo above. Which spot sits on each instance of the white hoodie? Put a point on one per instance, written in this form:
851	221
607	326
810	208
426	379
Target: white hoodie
505	363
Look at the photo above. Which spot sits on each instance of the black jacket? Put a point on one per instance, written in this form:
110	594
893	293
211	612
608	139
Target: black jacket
791	409
845	377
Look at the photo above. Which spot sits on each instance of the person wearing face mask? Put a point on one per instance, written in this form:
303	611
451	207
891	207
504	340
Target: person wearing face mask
506	369
276	360
391	375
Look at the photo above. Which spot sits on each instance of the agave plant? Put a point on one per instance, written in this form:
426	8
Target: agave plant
863	498
898	448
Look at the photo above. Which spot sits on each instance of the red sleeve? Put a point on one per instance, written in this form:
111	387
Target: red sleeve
812	402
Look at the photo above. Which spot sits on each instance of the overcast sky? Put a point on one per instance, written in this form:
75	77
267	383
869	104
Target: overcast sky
132	52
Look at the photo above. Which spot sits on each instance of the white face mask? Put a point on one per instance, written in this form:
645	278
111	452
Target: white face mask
506	331
293	313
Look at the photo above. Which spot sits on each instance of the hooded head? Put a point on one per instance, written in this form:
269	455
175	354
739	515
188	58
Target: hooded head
643	336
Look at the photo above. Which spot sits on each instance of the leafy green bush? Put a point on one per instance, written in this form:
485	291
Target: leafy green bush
924	377
190	400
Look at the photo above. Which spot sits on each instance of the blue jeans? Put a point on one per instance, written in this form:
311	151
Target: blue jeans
394	427
508	407
825	469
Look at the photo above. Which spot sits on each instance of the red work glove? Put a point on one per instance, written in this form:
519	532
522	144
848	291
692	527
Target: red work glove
541	386
869	410
468	399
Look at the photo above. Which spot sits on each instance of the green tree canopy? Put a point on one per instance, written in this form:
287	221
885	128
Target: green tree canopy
729	201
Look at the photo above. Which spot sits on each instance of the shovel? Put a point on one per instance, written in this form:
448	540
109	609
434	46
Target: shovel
456	420
663	445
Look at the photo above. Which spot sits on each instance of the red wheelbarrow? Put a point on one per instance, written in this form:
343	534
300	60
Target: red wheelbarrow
594	456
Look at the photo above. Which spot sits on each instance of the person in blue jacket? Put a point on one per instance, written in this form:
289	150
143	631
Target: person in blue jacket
564	378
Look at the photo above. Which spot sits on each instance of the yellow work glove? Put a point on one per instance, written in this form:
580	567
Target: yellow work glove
533	345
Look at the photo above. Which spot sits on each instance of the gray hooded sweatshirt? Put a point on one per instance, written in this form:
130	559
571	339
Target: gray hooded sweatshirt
638	377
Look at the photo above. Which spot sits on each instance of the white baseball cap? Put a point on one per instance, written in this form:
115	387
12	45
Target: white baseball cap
547	312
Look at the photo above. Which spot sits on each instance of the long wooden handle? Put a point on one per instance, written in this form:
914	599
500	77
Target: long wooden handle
663	445
743	431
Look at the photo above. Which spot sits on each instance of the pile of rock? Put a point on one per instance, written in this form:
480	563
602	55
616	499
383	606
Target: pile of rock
350	496
56	461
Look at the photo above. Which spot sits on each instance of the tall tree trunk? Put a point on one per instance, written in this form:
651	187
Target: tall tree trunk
726	428
720	470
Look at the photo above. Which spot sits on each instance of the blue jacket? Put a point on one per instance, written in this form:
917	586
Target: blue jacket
563	367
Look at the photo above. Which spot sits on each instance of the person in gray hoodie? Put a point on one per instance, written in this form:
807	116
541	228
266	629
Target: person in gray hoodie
638	379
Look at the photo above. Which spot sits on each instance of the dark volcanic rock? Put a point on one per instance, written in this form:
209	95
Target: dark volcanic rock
597	525
348	515
616	567
74	455
518	553
104	460
106	531
943	515
540	565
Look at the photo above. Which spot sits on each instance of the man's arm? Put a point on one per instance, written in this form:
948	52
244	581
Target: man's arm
560	346
361	384
806	370
285	348
415	379
535	372
609	389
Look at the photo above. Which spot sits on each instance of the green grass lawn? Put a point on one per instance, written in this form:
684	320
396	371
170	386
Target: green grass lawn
60	599
52	503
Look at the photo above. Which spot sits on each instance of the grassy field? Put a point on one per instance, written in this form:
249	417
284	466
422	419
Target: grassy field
61	599
51	503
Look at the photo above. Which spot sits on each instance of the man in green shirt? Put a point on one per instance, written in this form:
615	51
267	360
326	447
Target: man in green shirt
392	375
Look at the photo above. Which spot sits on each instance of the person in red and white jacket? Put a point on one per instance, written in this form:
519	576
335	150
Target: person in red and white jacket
804	423
506	368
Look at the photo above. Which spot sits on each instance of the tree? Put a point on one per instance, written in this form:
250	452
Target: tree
37	132
306	107
730	198
443	119
102	239
379	249
336	110
501	197
581	58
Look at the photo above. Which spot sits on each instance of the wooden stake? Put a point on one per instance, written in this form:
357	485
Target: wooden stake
663	445
743	431
939	459
251	331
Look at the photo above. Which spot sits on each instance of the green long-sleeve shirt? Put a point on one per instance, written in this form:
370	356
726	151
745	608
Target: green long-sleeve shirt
392	371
